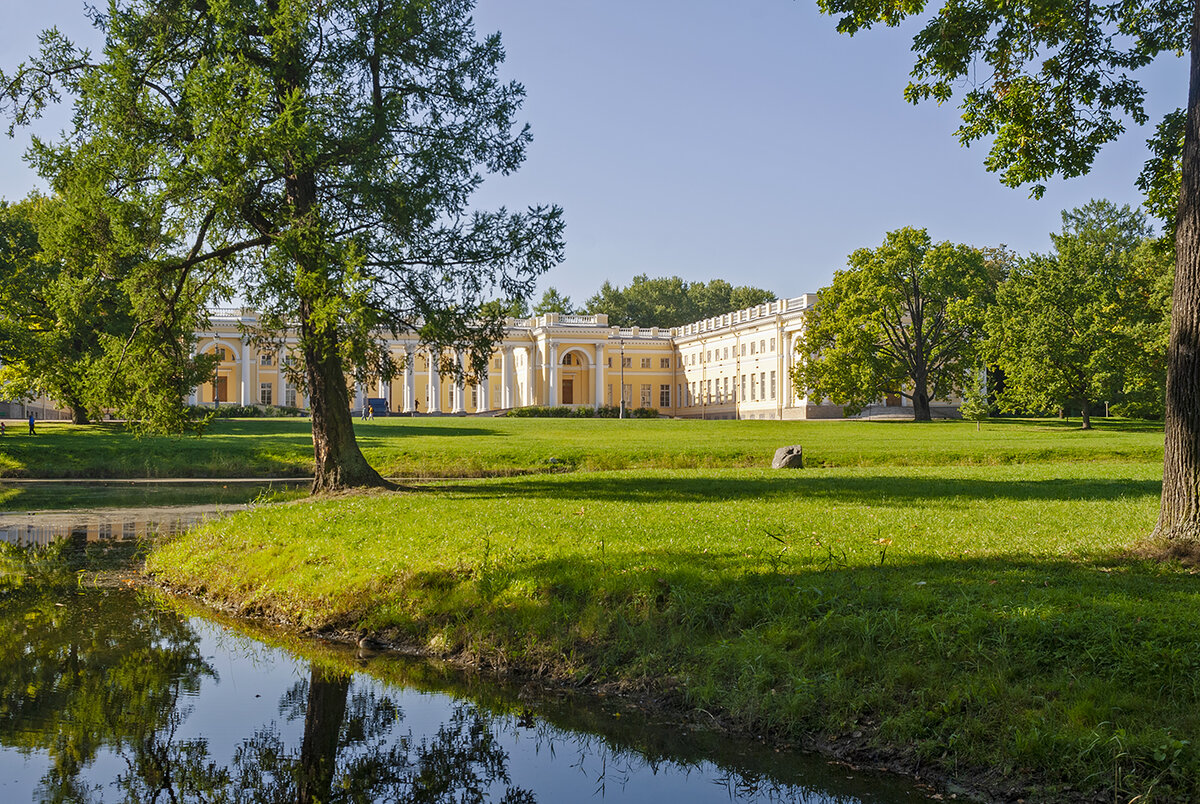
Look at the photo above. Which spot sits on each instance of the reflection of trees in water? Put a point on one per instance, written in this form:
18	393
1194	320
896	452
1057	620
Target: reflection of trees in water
352	751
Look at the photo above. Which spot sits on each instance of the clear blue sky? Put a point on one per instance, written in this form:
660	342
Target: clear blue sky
747	141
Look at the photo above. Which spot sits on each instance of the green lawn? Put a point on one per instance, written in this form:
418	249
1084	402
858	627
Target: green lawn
472	447
986	620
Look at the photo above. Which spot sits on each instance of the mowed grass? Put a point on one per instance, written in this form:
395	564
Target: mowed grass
979	615
476	447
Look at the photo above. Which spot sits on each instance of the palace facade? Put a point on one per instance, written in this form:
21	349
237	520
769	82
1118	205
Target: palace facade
732	366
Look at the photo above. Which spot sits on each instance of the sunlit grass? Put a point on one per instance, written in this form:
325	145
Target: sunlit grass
474	447
986	620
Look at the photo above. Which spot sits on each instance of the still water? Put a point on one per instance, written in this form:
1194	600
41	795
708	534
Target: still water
110	693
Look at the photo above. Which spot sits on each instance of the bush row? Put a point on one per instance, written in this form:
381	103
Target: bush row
244	411
564	412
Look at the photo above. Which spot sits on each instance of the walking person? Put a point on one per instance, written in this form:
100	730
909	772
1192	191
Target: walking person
31	432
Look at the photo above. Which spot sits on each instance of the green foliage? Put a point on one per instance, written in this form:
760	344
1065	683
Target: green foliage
670	301
582	412
323	156
975	405
553	302
1088	323
83	321
904	318
1048	85
245	412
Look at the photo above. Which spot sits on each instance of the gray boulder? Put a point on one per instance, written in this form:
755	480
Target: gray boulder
789	457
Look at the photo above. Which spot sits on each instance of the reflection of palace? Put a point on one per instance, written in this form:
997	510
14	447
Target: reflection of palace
731	366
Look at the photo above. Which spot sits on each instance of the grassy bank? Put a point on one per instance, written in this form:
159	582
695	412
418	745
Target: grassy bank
984	620
474	447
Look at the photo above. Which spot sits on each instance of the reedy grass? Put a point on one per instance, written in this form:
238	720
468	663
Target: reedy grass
984	620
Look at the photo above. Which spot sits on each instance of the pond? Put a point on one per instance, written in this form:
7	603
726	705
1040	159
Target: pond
110	692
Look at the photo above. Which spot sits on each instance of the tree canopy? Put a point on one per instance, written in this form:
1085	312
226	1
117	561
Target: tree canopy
670	301
319	157
1050	84
905	318
553	302
1087	323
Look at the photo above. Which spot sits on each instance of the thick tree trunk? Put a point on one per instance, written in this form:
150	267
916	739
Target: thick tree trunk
338	463
1087	415
920	400
79	414
1179	516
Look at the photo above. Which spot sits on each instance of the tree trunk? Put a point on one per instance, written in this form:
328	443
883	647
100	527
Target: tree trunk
1086	413
1179	515
920	400
338	463
79	414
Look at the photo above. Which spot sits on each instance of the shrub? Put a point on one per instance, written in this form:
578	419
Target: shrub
564	412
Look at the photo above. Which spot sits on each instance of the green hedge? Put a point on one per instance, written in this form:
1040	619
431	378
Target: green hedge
564	412
244	411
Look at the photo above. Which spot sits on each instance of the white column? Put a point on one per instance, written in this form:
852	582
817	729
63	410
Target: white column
507	399
410	380
598	375
552	382
243	368
484	388
434	389
282	377
360	398
459	401
530	388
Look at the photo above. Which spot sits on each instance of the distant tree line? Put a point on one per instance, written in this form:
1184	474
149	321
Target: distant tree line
665	302
1081	326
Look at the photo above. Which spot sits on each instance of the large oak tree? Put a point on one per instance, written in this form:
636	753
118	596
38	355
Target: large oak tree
1051	83
905	318
322	155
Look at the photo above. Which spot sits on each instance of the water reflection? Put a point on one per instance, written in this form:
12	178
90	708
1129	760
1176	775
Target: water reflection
43	528
119	695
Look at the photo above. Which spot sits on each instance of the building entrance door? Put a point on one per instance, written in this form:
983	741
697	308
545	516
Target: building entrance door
221	390
568	392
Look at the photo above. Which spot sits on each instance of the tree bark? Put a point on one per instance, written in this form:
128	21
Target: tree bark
338	463
1086	413
79	414
1179	514
920	400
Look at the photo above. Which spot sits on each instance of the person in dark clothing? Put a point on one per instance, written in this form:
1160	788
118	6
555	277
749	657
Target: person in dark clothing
31	432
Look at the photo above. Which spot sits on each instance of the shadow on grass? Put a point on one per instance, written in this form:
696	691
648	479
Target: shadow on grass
889	491
1055	671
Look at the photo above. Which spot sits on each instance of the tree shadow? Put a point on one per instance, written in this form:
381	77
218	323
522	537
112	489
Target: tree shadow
881	490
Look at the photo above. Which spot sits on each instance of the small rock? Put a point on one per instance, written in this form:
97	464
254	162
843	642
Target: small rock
789	458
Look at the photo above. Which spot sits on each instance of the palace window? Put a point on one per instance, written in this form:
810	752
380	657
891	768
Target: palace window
627	362
743	387
289	397
772	385
265	359
743	350
664	396
751	347
772	344
646	396
264	393
610	362
664	363
762	346
221	354
762	386
726	352
645	362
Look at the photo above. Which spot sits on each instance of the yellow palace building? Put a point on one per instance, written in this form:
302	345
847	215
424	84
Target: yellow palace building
732	366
